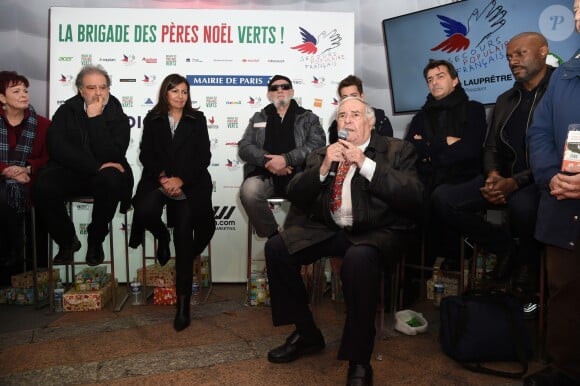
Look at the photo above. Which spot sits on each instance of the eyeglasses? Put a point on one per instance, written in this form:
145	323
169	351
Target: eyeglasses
277	87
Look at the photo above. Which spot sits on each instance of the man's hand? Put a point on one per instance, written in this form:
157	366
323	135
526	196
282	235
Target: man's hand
334	153
353	153
172	185
95	106
564	187
451	140
277	165
497	188
115	165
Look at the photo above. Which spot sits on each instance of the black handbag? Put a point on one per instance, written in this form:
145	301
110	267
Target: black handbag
485	326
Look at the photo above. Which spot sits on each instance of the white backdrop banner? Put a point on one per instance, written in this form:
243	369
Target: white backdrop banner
228	57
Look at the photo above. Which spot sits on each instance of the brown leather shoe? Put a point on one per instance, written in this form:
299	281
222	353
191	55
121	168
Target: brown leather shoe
296	346
359	375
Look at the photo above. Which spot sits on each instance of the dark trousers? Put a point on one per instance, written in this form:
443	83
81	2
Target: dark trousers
563	325
55	185
193	230
459	207
15	239
360	275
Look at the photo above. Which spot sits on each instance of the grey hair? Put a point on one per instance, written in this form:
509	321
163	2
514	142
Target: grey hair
369	111
91	69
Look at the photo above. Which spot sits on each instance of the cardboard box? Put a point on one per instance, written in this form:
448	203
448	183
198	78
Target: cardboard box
25	279
23	296
165	296
449	279
87	300
92	278
158	276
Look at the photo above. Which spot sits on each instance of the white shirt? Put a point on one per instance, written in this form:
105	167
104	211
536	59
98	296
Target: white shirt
343	216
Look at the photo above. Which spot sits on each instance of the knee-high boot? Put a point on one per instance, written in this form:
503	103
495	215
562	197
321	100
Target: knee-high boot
182	317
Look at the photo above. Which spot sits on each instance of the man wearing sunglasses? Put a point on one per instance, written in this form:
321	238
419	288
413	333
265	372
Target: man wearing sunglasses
274	147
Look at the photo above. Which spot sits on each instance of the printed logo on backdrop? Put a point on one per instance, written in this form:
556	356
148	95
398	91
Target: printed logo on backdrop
149	80
108	60
193	60
232	122
149	60
213	184
318	81
223	218
127	101
254	102
128	60
148	102
83	228
65	80
211	101
238	102
171	60
65	58
319	52
86	59
213	143
60	102
232	144
317	103
232	165
211	125
252	61
334	102
127	80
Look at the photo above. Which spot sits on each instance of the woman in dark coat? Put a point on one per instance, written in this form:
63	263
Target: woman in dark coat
175	155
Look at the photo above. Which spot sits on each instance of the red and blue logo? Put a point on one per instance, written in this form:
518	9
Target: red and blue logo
326	41
481	25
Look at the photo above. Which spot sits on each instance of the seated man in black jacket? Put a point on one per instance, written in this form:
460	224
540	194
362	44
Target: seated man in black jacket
361	215
352	86
507	181
87	141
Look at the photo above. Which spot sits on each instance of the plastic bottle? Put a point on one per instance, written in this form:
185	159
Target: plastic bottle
58	297
438	290
135	292
194	291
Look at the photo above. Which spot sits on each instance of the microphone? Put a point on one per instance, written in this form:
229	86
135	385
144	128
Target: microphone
342	134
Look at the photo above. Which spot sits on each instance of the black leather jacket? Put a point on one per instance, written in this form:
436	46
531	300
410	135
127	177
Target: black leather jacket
497	153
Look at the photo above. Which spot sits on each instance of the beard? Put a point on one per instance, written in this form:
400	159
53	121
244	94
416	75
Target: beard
281	102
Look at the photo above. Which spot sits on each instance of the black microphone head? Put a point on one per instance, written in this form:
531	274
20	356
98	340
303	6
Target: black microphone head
343	134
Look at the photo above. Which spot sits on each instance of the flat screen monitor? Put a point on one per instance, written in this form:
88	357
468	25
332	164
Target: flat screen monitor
472	35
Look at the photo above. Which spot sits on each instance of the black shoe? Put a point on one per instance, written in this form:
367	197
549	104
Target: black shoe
163	252
549	377
95	254
66	253
296	346
359	375
182	318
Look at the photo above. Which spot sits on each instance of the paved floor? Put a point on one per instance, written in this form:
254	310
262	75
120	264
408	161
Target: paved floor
226	344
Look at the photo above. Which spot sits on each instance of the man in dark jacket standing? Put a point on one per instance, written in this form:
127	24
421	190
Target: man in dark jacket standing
507	181
87	141
360	215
